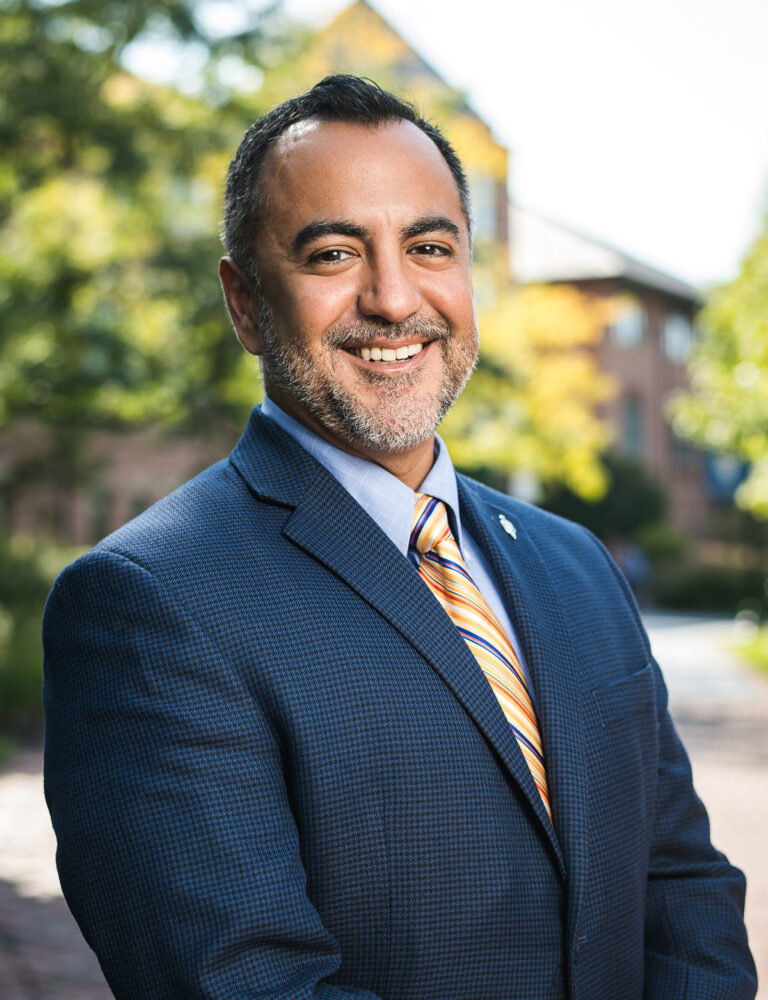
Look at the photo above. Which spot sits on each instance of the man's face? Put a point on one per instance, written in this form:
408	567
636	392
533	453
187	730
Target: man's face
364	320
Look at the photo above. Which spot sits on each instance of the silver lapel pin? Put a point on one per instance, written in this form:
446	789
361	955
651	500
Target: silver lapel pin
507	525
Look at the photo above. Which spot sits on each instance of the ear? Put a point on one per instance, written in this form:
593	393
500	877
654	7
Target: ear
242	304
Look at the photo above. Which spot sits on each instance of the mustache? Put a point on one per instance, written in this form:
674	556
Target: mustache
358	334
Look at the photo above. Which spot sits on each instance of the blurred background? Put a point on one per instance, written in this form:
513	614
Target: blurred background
618	160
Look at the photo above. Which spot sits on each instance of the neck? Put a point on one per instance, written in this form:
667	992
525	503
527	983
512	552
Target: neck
409	467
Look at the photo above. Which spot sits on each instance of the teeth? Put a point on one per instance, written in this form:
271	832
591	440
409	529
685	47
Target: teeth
386	354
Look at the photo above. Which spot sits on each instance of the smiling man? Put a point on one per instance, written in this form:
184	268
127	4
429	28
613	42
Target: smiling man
364	316
332	721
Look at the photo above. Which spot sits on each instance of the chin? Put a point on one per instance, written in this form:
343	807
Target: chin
399	426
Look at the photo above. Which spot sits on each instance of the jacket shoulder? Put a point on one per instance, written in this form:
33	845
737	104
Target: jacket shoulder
189	512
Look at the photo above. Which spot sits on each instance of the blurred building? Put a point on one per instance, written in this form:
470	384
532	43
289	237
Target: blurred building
118	475
646	345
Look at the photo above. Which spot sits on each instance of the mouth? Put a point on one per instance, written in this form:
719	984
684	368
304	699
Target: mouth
388	355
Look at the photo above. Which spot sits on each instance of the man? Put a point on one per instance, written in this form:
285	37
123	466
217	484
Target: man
331	721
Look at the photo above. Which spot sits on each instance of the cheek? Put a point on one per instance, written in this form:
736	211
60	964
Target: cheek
452	297
308	308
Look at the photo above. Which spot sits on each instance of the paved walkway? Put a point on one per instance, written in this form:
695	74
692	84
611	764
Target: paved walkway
722	712
42	953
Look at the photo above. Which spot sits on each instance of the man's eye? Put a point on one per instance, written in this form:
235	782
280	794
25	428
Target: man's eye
431	250
332	256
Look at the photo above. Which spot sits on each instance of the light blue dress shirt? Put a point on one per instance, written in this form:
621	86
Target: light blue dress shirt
390	503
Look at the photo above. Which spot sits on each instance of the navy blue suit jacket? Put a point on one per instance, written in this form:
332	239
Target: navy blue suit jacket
276	771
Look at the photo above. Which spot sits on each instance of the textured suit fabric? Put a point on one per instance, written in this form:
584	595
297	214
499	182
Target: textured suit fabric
275	770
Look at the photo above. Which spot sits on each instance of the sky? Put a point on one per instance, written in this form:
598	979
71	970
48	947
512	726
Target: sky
642	124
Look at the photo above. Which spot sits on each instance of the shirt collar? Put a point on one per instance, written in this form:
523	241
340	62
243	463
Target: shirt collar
383	496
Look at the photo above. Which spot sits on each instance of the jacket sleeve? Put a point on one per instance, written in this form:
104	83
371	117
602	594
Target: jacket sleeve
177	849
695	939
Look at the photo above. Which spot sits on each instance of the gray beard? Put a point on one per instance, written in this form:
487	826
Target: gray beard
400	421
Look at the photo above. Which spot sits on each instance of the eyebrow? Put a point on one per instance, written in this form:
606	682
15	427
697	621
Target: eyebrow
431	224
331	227
340	227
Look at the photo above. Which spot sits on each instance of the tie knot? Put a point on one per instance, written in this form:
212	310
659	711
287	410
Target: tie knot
430	523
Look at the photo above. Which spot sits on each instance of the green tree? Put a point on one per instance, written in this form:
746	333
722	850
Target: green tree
110	192
727	406
110	314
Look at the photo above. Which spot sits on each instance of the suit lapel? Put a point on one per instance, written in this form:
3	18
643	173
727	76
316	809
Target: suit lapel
553	662
330	525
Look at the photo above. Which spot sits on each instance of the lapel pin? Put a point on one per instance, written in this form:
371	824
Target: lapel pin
507	525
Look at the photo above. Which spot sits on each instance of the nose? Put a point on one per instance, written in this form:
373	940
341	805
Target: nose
390	292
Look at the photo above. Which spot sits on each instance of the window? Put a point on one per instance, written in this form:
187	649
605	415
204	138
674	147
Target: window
677	337
632	427
682	454
628	326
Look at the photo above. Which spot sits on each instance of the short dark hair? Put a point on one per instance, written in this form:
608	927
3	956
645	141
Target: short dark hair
338	98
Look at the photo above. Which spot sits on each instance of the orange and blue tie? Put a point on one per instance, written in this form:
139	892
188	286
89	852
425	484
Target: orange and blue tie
445	573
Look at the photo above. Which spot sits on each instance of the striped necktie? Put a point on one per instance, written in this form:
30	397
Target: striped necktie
443	570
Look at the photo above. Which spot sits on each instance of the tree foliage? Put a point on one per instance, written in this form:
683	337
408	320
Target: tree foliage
727	407
531	406
110	190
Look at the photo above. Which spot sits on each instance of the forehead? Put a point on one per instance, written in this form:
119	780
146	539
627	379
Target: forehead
340	170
